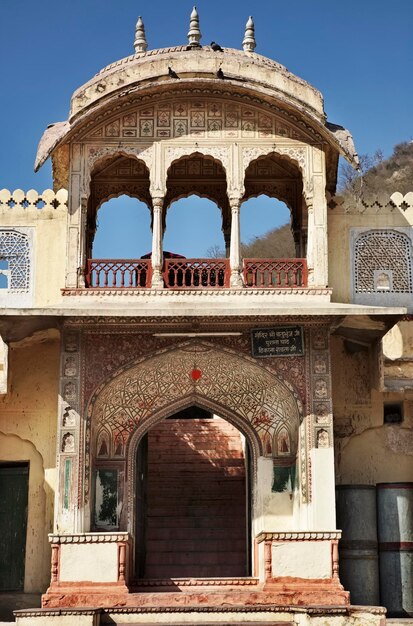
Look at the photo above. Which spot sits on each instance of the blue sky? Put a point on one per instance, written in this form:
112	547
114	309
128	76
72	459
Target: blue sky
358	53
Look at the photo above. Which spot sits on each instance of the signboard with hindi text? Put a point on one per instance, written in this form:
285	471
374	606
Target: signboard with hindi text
270	342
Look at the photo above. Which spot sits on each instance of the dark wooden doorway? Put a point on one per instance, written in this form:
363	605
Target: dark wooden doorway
14	492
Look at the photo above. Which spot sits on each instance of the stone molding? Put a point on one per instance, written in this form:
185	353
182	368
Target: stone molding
114	291
89	538
197	582
299	536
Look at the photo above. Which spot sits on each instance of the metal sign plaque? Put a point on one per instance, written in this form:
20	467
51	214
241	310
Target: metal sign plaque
270	342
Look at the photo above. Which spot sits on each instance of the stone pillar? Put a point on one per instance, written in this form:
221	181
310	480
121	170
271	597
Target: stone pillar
157	237
235	251
82	243
314	193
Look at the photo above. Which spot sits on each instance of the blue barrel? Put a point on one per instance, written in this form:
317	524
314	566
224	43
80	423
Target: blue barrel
358	549
395	532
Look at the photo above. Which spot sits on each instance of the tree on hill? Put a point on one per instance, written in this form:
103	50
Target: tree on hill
376	176
379	176
277	243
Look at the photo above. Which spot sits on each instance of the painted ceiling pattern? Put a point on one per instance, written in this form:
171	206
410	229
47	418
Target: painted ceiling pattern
196	117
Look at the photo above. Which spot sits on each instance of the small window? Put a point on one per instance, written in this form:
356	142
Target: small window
393	413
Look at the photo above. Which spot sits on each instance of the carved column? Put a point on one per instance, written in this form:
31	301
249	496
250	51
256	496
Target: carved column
235	251
311	251
82	243
157	237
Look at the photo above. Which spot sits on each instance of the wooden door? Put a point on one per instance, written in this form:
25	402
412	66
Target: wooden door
14	488
141	506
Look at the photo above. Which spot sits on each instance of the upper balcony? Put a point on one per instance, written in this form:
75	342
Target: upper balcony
182	273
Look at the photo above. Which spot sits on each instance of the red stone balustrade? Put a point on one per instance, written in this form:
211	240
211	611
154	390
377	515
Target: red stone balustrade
118	273
275	273
196	273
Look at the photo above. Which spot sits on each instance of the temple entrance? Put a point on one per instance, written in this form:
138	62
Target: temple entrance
192	501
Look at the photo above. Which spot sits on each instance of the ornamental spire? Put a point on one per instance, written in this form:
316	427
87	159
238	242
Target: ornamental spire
194	34
249	42
140	42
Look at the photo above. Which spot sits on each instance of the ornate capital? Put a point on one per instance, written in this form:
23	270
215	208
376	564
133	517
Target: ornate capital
157	203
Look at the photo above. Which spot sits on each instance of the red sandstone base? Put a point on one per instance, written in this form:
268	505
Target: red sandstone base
279	592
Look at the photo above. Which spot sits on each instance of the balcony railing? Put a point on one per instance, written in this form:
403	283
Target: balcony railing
195	273
118	273
275	273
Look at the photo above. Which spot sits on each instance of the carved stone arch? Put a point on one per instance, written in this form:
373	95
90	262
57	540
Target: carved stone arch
97	155
296	154
271	193
203	181
221	154
233	382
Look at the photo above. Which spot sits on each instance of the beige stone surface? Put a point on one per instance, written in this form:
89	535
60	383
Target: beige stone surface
303	559
89	562
28	421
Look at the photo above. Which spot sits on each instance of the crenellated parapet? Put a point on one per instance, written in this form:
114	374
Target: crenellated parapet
372	204
32	201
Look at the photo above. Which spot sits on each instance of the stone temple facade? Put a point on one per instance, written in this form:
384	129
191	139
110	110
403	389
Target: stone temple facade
175	433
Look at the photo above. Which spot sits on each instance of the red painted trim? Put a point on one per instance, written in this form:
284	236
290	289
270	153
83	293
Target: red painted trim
275	273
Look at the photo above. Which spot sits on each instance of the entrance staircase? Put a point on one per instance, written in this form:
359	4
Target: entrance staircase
196	500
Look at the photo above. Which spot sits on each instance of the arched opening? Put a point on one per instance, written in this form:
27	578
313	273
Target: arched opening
266	229
193	226
264	409
118	225
123	229
196	187
193	498
274	224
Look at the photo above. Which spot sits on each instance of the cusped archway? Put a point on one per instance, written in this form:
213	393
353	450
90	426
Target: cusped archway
145	392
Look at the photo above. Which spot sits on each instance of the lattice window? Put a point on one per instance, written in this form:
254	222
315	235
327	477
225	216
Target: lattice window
14	261
382	263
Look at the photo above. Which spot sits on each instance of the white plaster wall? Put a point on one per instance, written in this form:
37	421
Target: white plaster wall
303	559
86	562
273	511
323	512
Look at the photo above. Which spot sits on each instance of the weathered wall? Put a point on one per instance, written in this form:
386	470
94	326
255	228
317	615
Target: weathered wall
46	216
366	450
342	218
28	433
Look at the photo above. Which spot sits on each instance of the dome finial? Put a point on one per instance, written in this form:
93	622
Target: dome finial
140	42
194	34
249	42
